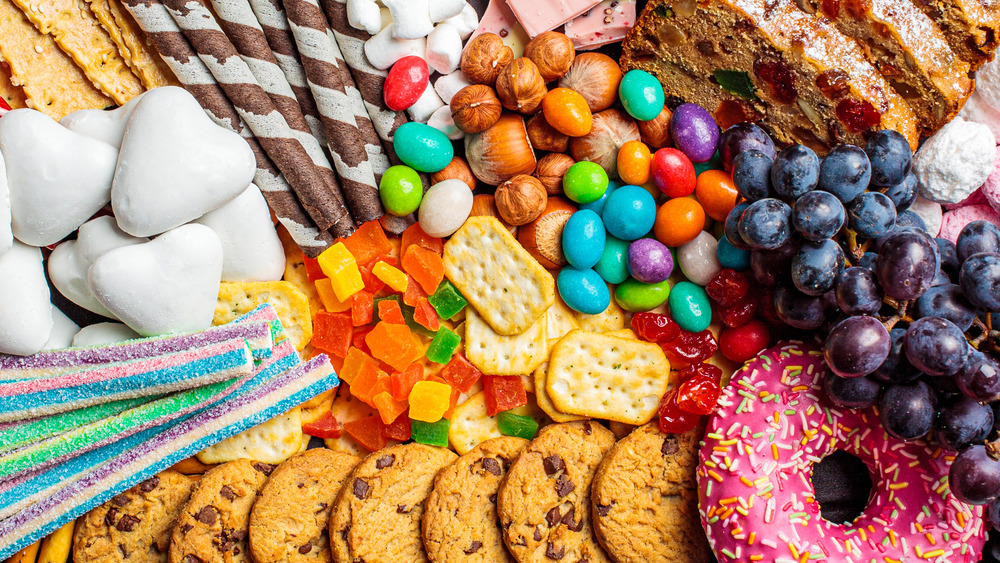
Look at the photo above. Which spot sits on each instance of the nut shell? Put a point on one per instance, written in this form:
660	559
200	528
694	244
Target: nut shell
457	169
484	57
596	77
551	169
656	132
475	108
545	137
500	152
612	129
520	86
552	52
543	236
521	199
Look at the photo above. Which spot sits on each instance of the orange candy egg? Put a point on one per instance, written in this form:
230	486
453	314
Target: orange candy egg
568	112
717	193
634	159
678	221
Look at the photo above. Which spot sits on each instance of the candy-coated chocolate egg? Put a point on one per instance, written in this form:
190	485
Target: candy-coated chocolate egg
649	261
422	147
613	265
445	207
629	212
400	190
585	182
689	306
698	259
641	94
694	132
583	290
406	81
635	296
583	239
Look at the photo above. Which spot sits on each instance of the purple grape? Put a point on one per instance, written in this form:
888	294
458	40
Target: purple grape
904	193
752	175
773	267
800	311
950	263
936	346
816	266
851	392
845	172
765	224
977	236
979	378
817	215
907	264
974	477
856	346
871	214
961	421
732	227
890	155
795	171
948	302
993	514
907	410
980	280
896	368
858	292
743	137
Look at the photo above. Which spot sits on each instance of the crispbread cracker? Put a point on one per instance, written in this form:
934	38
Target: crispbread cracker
140	55
611	319
625	333
470	425
607	377
13	95
292	306
52	82
80	35
494	354
498	277
543	400
559	320
272	442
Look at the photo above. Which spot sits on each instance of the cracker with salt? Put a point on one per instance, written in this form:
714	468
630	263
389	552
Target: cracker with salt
51	81
499	278
138	53
495	354
545	402
272	441
292	306
611	319
13	95
607	377
80	35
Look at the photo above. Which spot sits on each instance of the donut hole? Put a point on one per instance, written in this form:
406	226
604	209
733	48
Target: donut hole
843	486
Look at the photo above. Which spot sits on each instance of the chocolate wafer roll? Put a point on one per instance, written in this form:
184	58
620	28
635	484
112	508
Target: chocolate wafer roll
310	182
315	44
178	54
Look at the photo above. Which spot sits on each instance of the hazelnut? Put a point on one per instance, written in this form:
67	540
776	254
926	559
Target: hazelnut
521	199
612	129
656	132
596	77
551	169
543	236
457	169
484	57
520	86
545	137
485	204
552	52
475	108
501	152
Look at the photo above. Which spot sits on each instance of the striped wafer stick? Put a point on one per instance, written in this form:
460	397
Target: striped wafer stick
295	214
315	43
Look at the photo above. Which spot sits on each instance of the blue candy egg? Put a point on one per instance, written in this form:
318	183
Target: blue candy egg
598	206
583	239
422	147
641	94
629	212
613	265
731	257
583	290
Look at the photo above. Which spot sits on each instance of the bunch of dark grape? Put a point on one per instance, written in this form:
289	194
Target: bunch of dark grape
907	319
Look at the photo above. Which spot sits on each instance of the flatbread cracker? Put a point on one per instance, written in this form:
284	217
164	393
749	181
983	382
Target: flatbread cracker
470	425
607	377
52	82
13	95
272	442
292	306
498	277
80	35
494	354
137	51
544	402
559	320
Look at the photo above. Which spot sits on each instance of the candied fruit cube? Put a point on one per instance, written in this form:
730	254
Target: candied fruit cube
388	408
426	316
442	346
429	400
326	426
511	424
332	333
447	301
370	381
414	235
359	338
324	288
389	311
367	242
399	429
362	304
503	393
403	381
313	270
353	362
392	277
430	433
393	344
342	269
460	374
427	267
414	293
367	431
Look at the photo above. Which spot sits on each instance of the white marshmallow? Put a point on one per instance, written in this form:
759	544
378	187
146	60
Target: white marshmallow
441	10
104	333
107	126
382	50
167	285
63	331
955	161
466	22
988	83
251	250
25	310
444	49
410	18
364	15
448	85
57	178
176	164
425	106
443	122
69	262
930	212
6	236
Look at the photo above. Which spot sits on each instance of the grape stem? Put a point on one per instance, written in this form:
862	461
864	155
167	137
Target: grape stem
993	450
857	251
900	315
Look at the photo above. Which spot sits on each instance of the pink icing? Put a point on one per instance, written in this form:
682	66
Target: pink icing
754	480
954	220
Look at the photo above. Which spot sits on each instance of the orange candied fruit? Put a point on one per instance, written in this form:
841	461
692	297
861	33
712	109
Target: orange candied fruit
678	221
393	344
425	266
367	242
414	235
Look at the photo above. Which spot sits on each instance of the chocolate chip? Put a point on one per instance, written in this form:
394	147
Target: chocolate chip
191	559
583	560
265	468
493	498
385	461
120	500
669	445
473	547
302	485
121	548
322	507
604	509
345	532
236	550
360	488
553	464
206	515
491	465
552	553
537	536
570	520
504	461
109	518
552	517
305	548
126	523
150	484
564	486
403	509
521	541
238	535
586	428
186	528
227	492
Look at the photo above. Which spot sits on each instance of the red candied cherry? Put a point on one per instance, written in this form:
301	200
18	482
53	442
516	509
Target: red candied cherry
739	313
653	327
698	395
702	370
690	348
672	420
728	287
744	342
673	172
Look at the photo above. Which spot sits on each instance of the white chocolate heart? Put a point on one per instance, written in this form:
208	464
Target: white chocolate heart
167	285
57	178
251	250
6	236
25	310
63	331
175	164
103	125
99	334
69	262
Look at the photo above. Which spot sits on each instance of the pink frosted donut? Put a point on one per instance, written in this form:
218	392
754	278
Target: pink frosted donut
755	476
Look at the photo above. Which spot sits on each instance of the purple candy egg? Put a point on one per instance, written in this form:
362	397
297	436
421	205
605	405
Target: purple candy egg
694	132
649	261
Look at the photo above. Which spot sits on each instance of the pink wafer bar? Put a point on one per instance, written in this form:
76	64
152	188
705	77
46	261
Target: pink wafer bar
536	17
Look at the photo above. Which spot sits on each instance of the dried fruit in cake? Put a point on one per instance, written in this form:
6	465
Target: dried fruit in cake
970	26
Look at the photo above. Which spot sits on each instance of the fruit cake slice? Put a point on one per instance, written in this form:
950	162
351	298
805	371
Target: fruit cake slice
908	49
769	62
972	27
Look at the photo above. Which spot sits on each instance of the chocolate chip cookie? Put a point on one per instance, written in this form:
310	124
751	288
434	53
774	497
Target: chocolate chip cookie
289	520
645	498
460	517
544	502
134	526
213	526
376	518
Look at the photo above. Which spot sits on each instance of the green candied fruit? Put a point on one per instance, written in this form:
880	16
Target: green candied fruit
447	301
736	82
511	424
443	346
663	11
430	433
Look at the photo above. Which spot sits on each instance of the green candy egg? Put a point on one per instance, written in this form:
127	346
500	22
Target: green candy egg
585	182
689	307
400	190
641	94
635	296
613	265
422	147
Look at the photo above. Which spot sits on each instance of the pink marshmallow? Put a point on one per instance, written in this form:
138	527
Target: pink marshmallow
990	189
953	221
975	198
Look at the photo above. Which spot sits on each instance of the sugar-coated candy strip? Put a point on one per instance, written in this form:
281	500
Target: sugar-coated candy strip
20	433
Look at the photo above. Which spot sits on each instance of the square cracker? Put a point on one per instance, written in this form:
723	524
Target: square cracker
498	277
495	354
609	320
292	306
607	377
559	320
272	441
544	402
471	426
